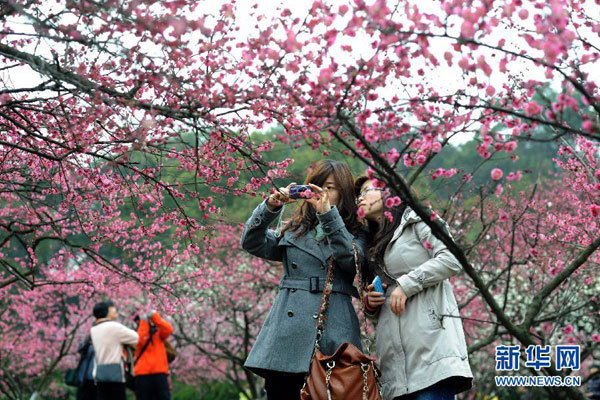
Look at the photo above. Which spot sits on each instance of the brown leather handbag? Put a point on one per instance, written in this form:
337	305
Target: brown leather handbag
347	374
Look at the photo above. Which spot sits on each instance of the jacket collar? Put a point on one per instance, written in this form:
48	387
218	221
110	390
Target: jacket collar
307	243
408	217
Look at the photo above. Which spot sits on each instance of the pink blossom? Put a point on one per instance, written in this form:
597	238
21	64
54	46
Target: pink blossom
371	136
361	212
523	13
75	34
5	98
393	201
179	26
490	91
514	176
467	29
510	146
499	190
292	44
502	65
464	63
227	10
330	37
449	173
393	155
483	65
496	174
567	330
325	75
587	125
532	108
595	210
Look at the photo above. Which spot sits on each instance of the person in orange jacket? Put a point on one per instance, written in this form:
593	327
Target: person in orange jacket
151	367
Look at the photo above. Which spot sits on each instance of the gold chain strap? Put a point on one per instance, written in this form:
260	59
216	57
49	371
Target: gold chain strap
330	366
365	369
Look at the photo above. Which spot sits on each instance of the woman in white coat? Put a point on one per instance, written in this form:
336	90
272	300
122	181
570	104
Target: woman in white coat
420	339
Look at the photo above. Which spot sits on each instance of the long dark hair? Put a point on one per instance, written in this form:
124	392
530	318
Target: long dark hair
380	235
305	218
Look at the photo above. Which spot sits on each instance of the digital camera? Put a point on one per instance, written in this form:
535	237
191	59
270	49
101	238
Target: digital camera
297	190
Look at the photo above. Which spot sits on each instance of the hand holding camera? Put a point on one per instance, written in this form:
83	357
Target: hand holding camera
280	197
319	198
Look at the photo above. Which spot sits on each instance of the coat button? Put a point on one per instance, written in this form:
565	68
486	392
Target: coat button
294	265
290	313
293	290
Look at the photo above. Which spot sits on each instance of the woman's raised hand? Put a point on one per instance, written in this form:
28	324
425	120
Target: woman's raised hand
280	197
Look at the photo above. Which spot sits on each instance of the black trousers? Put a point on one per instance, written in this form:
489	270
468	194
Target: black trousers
87	391
111	391
152	387
284	386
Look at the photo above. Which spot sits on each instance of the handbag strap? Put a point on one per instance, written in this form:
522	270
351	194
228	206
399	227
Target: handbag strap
322	318
325	297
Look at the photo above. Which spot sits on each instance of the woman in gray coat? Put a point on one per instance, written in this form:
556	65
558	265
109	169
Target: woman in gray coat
420	339
324	226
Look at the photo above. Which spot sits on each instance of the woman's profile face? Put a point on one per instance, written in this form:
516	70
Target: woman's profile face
370	200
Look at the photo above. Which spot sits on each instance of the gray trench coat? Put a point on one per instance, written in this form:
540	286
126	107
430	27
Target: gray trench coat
286	340
426	343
